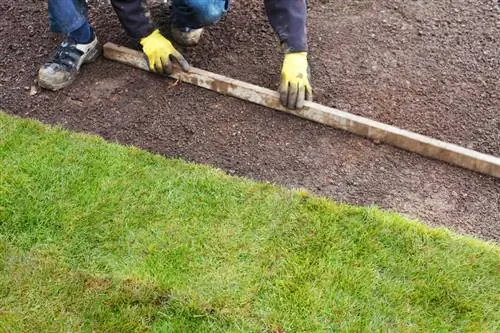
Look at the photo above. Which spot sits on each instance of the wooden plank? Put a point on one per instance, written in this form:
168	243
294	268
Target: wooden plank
410	141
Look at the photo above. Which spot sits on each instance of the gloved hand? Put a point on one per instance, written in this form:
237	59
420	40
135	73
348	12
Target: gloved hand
159	51
295	86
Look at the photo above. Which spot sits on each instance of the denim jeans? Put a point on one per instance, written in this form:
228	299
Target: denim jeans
198	13
66	16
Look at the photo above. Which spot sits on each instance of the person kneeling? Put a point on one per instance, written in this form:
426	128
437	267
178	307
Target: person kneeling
188	19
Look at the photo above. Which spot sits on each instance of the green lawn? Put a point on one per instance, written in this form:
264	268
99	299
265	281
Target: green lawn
97	237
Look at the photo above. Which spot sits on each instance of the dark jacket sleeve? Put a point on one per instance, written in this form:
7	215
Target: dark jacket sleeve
289	19
135	17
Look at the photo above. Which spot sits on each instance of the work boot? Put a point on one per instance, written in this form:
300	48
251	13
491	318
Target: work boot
186	36
63	67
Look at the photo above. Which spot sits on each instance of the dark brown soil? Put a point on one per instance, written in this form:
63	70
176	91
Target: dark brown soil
428	66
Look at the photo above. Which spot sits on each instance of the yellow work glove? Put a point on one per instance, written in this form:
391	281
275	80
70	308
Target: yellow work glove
295	87
160	52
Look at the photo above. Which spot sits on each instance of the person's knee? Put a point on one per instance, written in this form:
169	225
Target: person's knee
208	11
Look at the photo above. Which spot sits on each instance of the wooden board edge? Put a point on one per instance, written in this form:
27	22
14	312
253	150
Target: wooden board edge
407	140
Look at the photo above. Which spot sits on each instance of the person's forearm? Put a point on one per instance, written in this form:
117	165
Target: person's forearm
135	17
289	19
